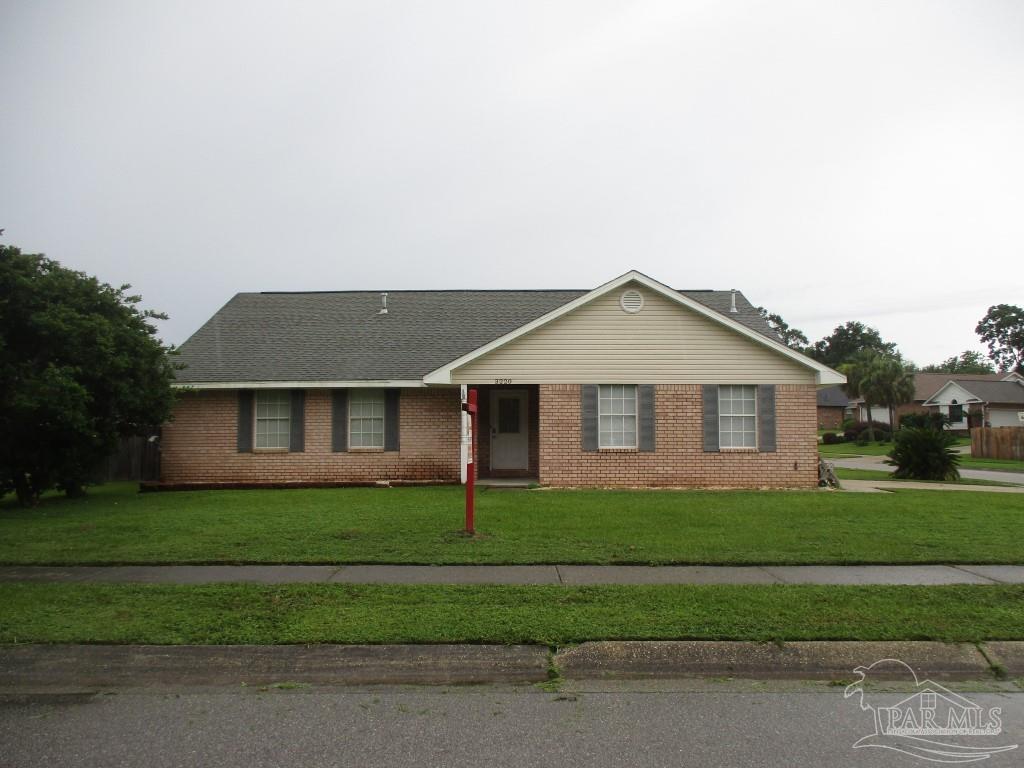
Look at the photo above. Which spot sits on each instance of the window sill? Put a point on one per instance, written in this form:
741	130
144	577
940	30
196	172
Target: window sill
619	449
270	450
738	450
365	449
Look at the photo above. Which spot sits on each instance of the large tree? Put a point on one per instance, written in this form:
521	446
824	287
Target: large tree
968	361
791	337
1002	328
80	366
846	342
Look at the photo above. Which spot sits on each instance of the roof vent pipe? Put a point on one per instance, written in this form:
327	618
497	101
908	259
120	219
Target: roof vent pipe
383	304
732	301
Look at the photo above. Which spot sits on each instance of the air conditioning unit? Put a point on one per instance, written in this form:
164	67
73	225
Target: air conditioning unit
1020	416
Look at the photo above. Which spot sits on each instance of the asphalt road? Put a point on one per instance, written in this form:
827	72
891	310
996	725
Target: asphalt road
705	724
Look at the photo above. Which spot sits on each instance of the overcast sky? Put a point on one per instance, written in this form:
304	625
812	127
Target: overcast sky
833	160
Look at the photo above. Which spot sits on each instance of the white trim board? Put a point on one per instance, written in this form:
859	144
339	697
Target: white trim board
823	374
389	384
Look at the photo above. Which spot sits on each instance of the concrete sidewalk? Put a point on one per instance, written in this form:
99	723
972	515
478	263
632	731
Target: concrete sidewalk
565	575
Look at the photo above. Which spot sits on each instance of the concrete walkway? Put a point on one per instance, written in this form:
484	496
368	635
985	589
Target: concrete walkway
565	575
877	463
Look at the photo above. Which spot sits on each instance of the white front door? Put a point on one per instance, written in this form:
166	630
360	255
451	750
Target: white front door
510	439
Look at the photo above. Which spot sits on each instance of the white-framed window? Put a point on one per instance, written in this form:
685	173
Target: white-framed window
366	418
616	415
737	416
273	418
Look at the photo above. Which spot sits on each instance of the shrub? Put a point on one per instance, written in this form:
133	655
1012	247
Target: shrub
931	420
859	428
924	454
831	438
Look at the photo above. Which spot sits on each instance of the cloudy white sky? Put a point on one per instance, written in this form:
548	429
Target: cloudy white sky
833	160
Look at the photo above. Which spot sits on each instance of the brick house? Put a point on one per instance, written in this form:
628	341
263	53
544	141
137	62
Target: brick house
833	407
630	384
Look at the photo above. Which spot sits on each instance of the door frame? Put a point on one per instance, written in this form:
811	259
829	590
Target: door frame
524	419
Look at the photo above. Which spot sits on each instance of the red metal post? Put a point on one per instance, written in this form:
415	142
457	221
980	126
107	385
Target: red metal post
470	407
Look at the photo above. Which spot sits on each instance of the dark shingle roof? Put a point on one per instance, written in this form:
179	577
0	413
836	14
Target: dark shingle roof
927	384
995	391
339	335
833	397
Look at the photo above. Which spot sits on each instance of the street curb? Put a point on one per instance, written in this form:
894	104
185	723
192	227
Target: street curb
65	667
806	660
98	666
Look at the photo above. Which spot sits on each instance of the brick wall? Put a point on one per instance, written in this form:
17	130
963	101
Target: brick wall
679	459
199	445
830	416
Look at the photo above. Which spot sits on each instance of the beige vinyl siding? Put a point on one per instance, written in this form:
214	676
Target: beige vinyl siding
665	343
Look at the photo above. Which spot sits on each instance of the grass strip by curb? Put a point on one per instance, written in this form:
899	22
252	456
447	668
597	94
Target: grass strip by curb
550	615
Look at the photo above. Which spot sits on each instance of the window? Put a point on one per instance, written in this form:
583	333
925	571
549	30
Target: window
928	700
366	418
273	418
737	416
956	413
616	410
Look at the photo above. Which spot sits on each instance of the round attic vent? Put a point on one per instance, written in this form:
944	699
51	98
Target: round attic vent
631	301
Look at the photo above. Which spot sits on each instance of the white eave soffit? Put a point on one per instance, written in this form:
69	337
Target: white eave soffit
823	374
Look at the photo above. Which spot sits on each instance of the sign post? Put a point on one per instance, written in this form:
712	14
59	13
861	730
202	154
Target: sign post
470	407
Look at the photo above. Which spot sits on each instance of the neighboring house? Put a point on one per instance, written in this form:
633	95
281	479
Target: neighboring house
925	385
975	402
833	404
630	384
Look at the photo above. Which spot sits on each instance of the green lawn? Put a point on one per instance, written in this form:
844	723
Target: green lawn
332	613
114	524
877	474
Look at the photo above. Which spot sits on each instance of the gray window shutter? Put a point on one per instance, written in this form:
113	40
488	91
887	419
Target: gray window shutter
766	418
245	419
392	428
339	420
588	414
711	418
297	436
645	417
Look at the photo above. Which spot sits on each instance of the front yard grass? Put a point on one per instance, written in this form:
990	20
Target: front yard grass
332	613
116	525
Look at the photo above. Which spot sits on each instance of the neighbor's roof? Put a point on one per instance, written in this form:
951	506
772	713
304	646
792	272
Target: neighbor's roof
995	391
833	397
340	336
927	384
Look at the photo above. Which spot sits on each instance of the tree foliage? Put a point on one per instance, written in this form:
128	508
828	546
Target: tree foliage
879	379
80	366
791	337
846	342
968	361
890	383
1002	328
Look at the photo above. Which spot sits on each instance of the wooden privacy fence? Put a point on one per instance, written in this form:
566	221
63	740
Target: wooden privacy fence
137	458
997	443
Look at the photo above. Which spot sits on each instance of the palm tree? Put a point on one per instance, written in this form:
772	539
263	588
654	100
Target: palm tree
893	384
860	383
